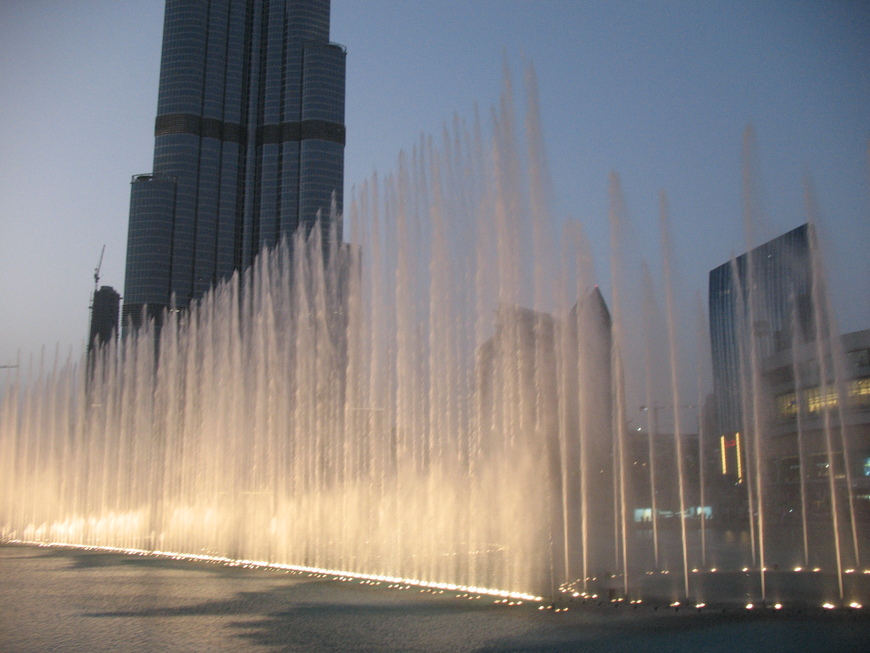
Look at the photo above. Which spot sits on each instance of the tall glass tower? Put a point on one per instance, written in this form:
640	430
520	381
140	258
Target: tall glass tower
760	301
249	144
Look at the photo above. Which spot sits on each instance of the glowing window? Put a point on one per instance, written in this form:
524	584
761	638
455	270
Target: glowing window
818	400
859	392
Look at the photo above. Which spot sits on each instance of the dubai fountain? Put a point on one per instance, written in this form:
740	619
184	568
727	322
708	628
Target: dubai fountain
441	401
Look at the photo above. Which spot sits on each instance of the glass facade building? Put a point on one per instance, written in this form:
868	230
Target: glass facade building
760	303
249	144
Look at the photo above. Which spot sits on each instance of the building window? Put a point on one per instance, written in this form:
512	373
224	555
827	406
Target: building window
787	405
859	392
859	357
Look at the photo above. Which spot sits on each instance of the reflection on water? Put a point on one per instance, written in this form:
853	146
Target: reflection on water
74	600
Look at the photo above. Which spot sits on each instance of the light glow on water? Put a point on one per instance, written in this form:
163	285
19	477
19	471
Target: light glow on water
506	596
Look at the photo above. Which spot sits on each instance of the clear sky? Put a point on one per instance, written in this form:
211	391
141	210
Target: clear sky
660	92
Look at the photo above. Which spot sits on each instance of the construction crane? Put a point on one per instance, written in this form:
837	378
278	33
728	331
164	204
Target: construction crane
97	269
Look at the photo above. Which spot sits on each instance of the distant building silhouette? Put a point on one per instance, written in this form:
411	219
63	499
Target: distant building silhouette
249	145
545	385
104	316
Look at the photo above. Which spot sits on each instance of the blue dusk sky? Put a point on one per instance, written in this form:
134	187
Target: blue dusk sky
659	92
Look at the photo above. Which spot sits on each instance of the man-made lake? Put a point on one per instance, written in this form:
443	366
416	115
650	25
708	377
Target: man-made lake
55	599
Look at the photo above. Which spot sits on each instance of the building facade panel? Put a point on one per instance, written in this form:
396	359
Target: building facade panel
216	60
149	240
207	198
323	93
183	57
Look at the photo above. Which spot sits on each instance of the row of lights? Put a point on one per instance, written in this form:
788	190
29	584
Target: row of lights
677	604
470	592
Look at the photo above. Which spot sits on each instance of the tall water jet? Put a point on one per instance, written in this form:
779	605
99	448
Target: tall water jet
617	218
754	307
832	396
675	386
802	456
702	375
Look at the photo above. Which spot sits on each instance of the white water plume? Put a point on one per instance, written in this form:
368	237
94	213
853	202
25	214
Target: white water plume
384	406
441	400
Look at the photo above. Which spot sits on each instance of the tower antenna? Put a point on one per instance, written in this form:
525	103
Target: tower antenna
97	269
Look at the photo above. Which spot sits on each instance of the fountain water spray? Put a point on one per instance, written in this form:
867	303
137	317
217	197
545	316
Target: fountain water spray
442	400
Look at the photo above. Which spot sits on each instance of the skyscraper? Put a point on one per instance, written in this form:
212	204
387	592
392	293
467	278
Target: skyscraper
104	316
522	380
249	144
760	303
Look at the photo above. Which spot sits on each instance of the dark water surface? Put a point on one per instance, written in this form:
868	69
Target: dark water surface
68	600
